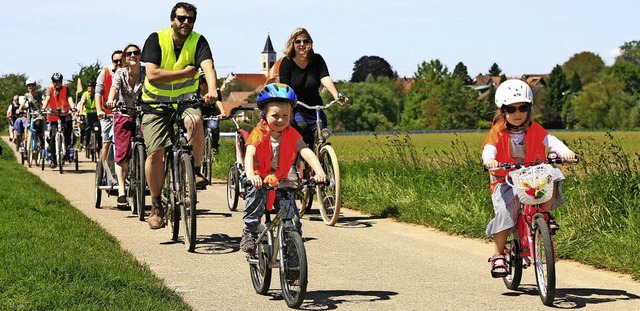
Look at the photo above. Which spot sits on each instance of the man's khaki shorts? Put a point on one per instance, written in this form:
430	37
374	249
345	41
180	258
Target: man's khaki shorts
157	132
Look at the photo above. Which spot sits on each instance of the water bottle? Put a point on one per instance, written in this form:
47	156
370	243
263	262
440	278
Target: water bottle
71	154
47	154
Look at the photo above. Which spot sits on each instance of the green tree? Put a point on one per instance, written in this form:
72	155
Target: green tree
586	64
557	87
10	85
604	104
630	52
495	70
461	72
374	107
575	83
85	74
416	114
371	65
628	73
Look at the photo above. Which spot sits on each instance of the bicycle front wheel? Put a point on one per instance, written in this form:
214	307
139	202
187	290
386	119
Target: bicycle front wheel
330	195
187	199
514	260
233	187
140	183
29	147
60	151
293	269
545	263
99	182
261	271
168	199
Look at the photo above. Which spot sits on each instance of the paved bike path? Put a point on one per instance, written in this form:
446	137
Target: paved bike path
363	263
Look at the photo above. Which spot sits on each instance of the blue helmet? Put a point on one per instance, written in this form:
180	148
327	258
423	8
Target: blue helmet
276	91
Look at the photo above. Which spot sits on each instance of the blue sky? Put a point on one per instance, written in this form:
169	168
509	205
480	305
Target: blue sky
42	37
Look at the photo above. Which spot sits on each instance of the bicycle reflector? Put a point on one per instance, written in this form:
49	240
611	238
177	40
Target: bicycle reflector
325	133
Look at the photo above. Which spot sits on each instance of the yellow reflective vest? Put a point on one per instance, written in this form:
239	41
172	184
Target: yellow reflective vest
89	103
179	89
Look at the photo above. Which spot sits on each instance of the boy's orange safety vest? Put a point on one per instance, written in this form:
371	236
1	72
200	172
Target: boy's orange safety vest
261	139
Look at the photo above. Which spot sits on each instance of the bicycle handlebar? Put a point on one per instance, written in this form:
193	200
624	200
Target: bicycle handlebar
550	160
335	101
296	186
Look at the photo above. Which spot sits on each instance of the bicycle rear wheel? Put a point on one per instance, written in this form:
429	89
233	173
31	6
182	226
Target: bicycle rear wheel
293	269
330	195
139	182
187	198
305	195
261	271
99	182
545	264
233	187
171	213
59	151
514	260
43	159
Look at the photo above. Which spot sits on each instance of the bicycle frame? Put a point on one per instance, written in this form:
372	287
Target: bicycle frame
525	229
321	134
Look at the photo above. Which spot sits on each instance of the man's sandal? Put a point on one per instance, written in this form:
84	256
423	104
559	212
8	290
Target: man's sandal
499	269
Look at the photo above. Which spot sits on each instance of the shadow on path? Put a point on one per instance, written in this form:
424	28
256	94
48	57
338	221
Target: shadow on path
577	298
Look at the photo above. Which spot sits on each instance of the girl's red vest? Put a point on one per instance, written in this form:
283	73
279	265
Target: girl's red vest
501	139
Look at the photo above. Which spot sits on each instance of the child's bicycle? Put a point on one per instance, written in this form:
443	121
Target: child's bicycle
532	242
329	194
236	189
279	245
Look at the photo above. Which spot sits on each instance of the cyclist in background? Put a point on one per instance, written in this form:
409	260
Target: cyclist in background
212	111
125	90
33	103
87	108
103	85
306	71
58	96
12	114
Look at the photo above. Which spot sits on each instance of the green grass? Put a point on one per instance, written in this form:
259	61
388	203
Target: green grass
54	257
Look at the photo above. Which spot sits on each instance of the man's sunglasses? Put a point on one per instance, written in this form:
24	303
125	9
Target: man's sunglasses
130	53
181	18
116	61
512	109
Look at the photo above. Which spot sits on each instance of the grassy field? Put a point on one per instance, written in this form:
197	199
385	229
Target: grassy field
436	180
55	258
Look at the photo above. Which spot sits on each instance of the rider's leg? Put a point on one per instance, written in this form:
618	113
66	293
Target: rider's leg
68	131
123	127
214	125
53	130
195	134
39	127
499	240
105	127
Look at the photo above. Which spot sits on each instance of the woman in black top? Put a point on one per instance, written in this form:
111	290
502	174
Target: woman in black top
305	71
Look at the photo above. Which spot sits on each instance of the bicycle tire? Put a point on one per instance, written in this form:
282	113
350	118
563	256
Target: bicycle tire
188	200
28	147
98	182
171	213
261	272
140	183
23	156
208	155
544	262
76	161
514	260
293	269
330	194
305	195
43	158
59	151
233	187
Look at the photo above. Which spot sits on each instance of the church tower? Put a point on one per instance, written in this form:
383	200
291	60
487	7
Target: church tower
268	56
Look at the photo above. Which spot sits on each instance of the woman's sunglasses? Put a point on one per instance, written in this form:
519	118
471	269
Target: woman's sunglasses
130	53
301	41
512	109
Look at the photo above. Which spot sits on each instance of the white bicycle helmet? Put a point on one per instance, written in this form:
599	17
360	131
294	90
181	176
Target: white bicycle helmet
513	91
30	81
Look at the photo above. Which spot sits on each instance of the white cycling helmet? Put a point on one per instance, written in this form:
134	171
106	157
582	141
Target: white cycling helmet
30	81
513	91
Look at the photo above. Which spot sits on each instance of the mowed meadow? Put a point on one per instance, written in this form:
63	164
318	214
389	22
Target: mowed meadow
436	180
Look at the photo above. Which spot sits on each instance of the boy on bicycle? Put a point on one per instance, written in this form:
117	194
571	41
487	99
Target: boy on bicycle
272	149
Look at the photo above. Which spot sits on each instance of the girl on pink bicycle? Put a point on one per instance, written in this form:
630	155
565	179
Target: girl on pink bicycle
515	138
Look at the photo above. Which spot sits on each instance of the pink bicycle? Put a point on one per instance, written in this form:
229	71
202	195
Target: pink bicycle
532	241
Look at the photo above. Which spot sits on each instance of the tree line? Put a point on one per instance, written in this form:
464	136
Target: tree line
582	93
